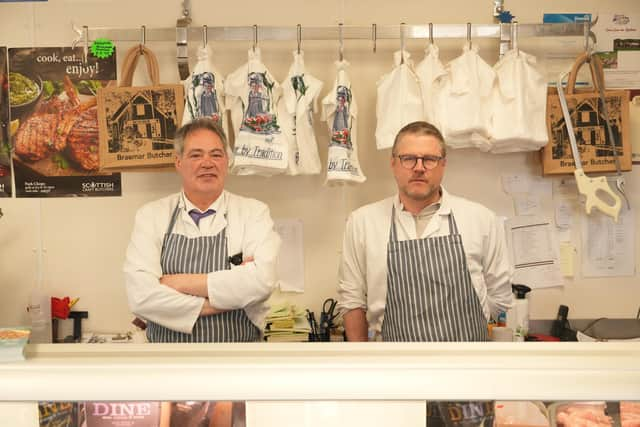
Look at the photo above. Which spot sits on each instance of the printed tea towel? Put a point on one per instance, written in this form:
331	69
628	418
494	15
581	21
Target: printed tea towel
204	93
260	145
300	93
340	111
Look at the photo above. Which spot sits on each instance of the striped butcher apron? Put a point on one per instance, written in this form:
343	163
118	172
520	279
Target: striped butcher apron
430	297
198	255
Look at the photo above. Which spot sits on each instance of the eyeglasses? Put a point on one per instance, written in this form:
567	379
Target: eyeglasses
409	161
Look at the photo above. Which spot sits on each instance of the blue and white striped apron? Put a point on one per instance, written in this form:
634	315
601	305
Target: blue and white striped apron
430	296
198	255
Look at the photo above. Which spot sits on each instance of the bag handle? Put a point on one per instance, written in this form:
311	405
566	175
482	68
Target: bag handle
595	66
130	63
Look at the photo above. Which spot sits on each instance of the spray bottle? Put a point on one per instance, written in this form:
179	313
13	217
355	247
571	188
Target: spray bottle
518	316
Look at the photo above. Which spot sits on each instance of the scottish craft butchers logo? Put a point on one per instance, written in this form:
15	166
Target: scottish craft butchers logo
620	19
93	187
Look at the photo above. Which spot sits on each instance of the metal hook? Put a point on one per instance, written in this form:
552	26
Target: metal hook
431	32
341	41
402	43
143	38
586	30
299	36
469	34
255	37
78	31
85	48
374	36
514	37
205	36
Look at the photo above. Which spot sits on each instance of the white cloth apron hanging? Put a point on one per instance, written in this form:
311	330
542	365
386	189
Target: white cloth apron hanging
340	111
519	104
465	100
204	93
430	72
253	93
399	100
300	93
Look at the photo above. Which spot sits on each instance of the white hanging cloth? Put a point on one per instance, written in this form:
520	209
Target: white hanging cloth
466	93
204	93
430	72
399	100
340	111
260	145
300	93
519	104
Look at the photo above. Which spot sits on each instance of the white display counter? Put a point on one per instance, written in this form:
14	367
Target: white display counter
325	371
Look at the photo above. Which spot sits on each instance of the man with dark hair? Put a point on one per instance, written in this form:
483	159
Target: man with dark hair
202	263
422	265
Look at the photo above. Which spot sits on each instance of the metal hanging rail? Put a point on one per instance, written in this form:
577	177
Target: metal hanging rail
350	32
183	33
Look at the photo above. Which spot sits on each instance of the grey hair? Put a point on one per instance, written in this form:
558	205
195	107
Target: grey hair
420	128
200	123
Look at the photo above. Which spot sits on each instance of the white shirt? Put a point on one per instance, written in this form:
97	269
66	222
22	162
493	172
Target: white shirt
249	229
519	105
399	100
363	269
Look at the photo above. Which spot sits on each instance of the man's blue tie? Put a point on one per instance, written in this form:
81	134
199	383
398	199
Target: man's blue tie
197	215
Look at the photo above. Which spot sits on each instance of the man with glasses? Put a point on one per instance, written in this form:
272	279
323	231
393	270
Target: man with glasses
201	263
423	265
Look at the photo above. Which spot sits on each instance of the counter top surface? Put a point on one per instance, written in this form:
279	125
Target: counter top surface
325	371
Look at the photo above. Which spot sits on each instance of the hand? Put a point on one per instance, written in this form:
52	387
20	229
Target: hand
247	260
191	284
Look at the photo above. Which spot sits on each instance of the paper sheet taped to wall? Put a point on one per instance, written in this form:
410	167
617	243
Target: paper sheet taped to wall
291	257
608	249
533	252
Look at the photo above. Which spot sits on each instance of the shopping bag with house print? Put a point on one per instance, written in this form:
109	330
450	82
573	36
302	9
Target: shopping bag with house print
589	123
138	124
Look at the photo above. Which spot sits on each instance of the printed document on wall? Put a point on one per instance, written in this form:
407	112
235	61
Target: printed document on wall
533	252
291	256
608	249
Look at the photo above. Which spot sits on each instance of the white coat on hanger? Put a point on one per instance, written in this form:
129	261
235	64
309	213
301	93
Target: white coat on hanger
300	93
260	146
204	93
465	100
519	105
340	111
430	72
399	100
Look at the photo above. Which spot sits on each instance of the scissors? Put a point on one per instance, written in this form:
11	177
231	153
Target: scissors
328	308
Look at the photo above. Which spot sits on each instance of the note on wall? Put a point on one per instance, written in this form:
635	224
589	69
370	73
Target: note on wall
291	257
533	252
608	249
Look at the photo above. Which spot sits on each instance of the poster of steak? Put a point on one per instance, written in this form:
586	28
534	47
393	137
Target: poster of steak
5	146
55	122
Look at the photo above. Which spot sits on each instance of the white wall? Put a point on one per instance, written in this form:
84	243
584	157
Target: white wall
86	238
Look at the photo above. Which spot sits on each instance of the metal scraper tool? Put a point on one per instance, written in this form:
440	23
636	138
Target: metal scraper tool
588	187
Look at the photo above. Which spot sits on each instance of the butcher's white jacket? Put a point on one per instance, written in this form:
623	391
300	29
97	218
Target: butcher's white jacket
249	229
363	268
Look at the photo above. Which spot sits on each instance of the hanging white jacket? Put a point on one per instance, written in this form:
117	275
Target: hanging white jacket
430	72
260	146
519	103
300	93
204	93
399	101
466	94
340	111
